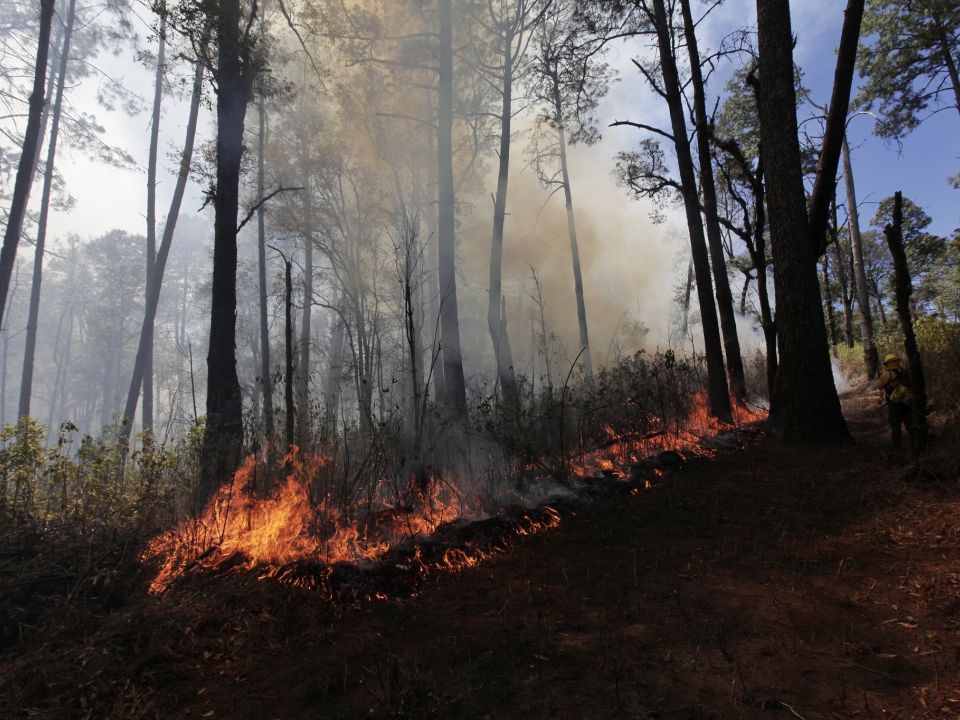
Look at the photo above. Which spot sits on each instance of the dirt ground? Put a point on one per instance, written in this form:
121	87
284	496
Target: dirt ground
762	583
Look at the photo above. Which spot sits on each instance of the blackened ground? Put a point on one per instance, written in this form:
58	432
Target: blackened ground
769	582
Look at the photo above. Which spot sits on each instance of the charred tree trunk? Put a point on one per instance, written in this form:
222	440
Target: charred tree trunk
152	229
454	384
266	384
155	280
496	314
904	288
870	356
28	152
223	436
728	321
33	314
804	402
716	376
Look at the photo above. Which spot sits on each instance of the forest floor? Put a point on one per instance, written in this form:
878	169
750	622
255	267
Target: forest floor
767	582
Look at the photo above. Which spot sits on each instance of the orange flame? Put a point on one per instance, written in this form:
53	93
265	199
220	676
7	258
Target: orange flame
239	530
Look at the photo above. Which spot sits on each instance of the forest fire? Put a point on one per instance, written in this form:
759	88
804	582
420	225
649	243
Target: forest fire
241	529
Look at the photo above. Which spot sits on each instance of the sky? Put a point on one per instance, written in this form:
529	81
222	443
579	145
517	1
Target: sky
631	265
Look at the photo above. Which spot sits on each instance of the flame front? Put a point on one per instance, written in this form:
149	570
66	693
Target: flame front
240	529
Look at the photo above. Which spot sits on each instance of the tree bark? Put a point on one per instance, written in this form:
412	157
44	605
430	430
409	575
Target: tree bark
870	356
303	365
25	165
728	321
454	384
804	403
719	398
828	303
288	353
223	436
824	184
496	317
147	414
904	288
33	314
155	281
334	373
266	384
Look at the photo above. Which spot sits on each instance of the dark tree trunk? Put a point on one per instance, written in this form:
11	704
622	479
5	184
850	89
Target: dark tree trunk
223	436
454	384
728	321
804	402
716	376
496	314
824	184
28	152
155	280
904	288
33	313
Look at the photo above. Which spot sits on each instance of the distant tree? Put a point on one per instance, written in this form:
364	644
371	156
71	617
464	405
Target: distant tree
646	173
31	138
909	58
567	81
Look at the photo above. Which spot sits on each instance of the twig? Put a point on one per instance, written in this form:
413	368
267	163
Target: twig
263	200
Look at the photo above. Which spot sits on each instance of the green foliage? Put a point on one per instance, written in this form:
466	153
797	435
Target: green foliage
904	57
92	485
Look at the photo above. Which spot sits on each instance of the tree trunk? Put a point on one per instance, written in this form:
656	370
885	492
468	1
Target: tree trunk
824	184
266	385
870	356
904	288
728	321
303	365
334	373
716	377
288	353
496	316
31	139
948	58
828	303
33	315
846	296
152	229
155	281
585	358
433	285
455	392
223	436
804	402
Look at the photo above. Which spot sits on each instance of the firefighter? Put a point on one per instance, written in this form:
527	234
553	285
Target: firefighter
895	384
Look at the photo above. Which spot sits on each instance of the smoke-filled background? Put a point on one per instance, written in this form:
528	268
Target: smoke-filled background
331	105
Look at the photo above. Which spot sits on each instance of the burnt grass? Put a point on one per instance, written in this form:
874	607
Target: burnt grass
766	582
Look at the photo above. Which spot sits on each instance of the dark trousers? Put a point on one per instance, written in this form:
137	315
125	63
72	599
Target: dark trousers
899	415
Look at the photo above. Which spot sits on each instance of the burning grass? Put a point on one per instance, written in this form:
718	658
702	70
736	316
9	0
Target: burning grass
295	533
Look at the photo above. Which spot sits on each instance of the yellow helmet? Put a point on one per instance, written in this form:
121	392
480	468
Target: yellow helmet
890	359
